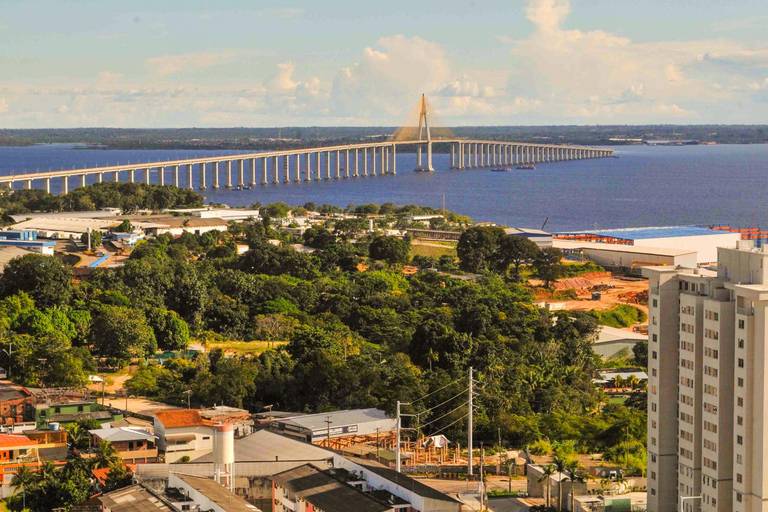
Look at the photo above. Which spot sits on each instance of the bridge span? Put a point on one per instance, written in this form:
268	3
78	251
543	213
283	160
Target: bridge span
295	165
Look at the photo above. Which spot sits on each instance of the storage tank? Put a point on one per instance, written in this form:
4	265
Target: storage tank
54	426
224	455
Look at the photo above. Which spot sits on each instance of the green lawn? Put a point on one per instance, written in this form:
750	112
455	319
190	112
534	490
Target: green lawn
435	252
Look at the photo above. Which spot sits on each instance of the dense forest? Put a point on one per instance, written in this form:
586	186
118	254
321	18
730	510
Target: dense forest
349	329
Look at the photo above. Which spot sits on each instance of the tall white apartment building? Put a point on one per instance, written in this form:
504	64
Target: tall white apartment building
707	385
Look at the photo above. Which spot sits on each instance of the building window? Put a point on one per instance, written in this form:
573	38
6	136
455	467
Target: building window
655	337
654	355
741	363
741	324
653	457
738	477
741	382
741	343
655	303
738	458
653	406
740	401
653	491
739	440
739	420
653	475
738	497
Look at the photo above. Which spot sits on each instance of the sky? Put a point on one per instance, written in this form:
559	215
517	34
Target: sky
197	63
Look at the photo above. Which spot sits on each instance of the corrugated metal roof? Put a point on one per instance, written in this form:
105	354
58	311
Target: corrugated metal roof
266	446
337	418
122	434
218	494
134	499
326	492
645	233
403	481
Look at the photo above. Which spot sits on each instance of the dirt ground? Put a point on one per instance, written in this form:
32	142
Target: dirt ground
621	290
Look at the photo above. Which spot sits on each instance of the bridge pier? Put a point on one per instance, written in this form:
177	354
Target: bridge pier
357	164
365	162
65	184
394	159
228	176
286	169
373	160
337	174
82	182
346	164
203	184
189	176
131	175
241	173
47	185
298	168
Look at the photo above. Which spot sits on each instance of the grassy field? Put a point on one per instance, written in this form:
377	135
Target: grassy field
435	252
250	348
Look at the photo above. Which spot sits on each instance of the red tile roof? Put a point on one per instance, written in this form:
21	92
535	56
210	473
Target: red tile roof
181	418
7	440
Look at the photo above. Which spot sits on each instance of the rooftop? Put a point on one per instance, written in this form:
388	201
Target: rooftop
634	249
267	446
181	418
653	232
608	334
134	499
122	434
218	494
7	440
337	419
403	481
326	492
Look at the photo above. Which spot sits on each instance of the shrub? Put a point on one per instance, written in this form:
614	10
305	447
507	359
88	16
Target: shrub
541	447
622	315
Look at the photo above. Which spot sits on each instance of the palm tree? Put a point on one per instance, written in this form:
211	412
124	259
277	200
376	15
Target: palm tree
24	478
632	381
618	381
576	476
77	435
47	470
432	356
561	466
546	472
106	455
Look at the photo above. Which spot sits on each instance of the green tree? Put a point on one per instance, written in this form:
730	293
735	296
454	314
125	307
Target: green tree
547	264
125	227
122	334
640	353
171	331
44	278
390	249
24	479
546	473
514	250
106	455
476	247
96	238
275	210
118	477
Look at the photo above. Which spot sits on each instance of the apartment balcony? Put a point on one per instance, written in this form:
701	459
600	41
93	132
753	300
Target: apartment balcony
746	311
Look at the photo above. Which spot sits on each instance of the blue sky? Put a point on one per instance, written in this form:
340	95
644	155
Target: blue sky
238	63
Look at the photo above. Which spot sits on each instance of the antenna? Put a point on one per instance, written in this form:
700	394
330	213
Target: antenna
545	223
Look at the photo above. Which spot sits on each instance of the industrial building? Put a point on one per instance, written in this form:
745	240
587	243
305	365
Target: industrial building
612	342
343	427
706	391
538	236
703	241
626	258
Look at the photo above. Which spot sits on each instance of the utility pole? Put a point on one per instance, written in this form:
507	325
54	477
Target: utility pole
483	498
469	427
378	454
328	427
397	443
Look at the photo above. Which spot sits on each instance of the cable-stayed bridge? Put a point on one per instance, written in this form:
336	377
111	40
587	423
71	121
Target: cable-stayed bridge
297	165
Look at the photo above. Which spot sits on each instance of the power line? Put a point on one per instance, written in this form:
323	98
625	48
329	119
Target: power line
437	390
443	403
444	415
447	426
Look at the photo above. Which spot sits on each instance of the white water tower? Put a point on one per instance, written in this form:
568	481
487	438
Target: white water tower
224	455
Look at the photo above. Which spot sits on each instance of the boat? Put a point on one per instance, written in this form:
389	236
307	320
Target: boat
502	169
526	167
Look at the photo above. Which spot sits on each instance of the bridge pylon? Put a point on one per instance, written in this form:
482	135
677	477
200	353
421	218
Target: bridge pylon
424	130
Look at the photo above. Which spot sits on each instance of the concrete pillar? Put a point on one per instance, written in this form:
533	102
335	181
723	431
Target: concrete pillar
64	185
228	177
276	168
264	177
337	175
309	167
373	160
99	177
346	164
286	168
394	159
147	172
203	184
28	183
365	161
327	165
298	168
253	172
418	156
453	156
383	153
357	163
474	152
216	175
175	170
241	173
161	176
47	185
318	168
131	175
189	176
115	176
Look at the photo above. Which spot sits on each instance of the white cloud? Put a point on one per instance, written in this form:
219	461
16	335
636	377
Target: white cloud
4	105
171	64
